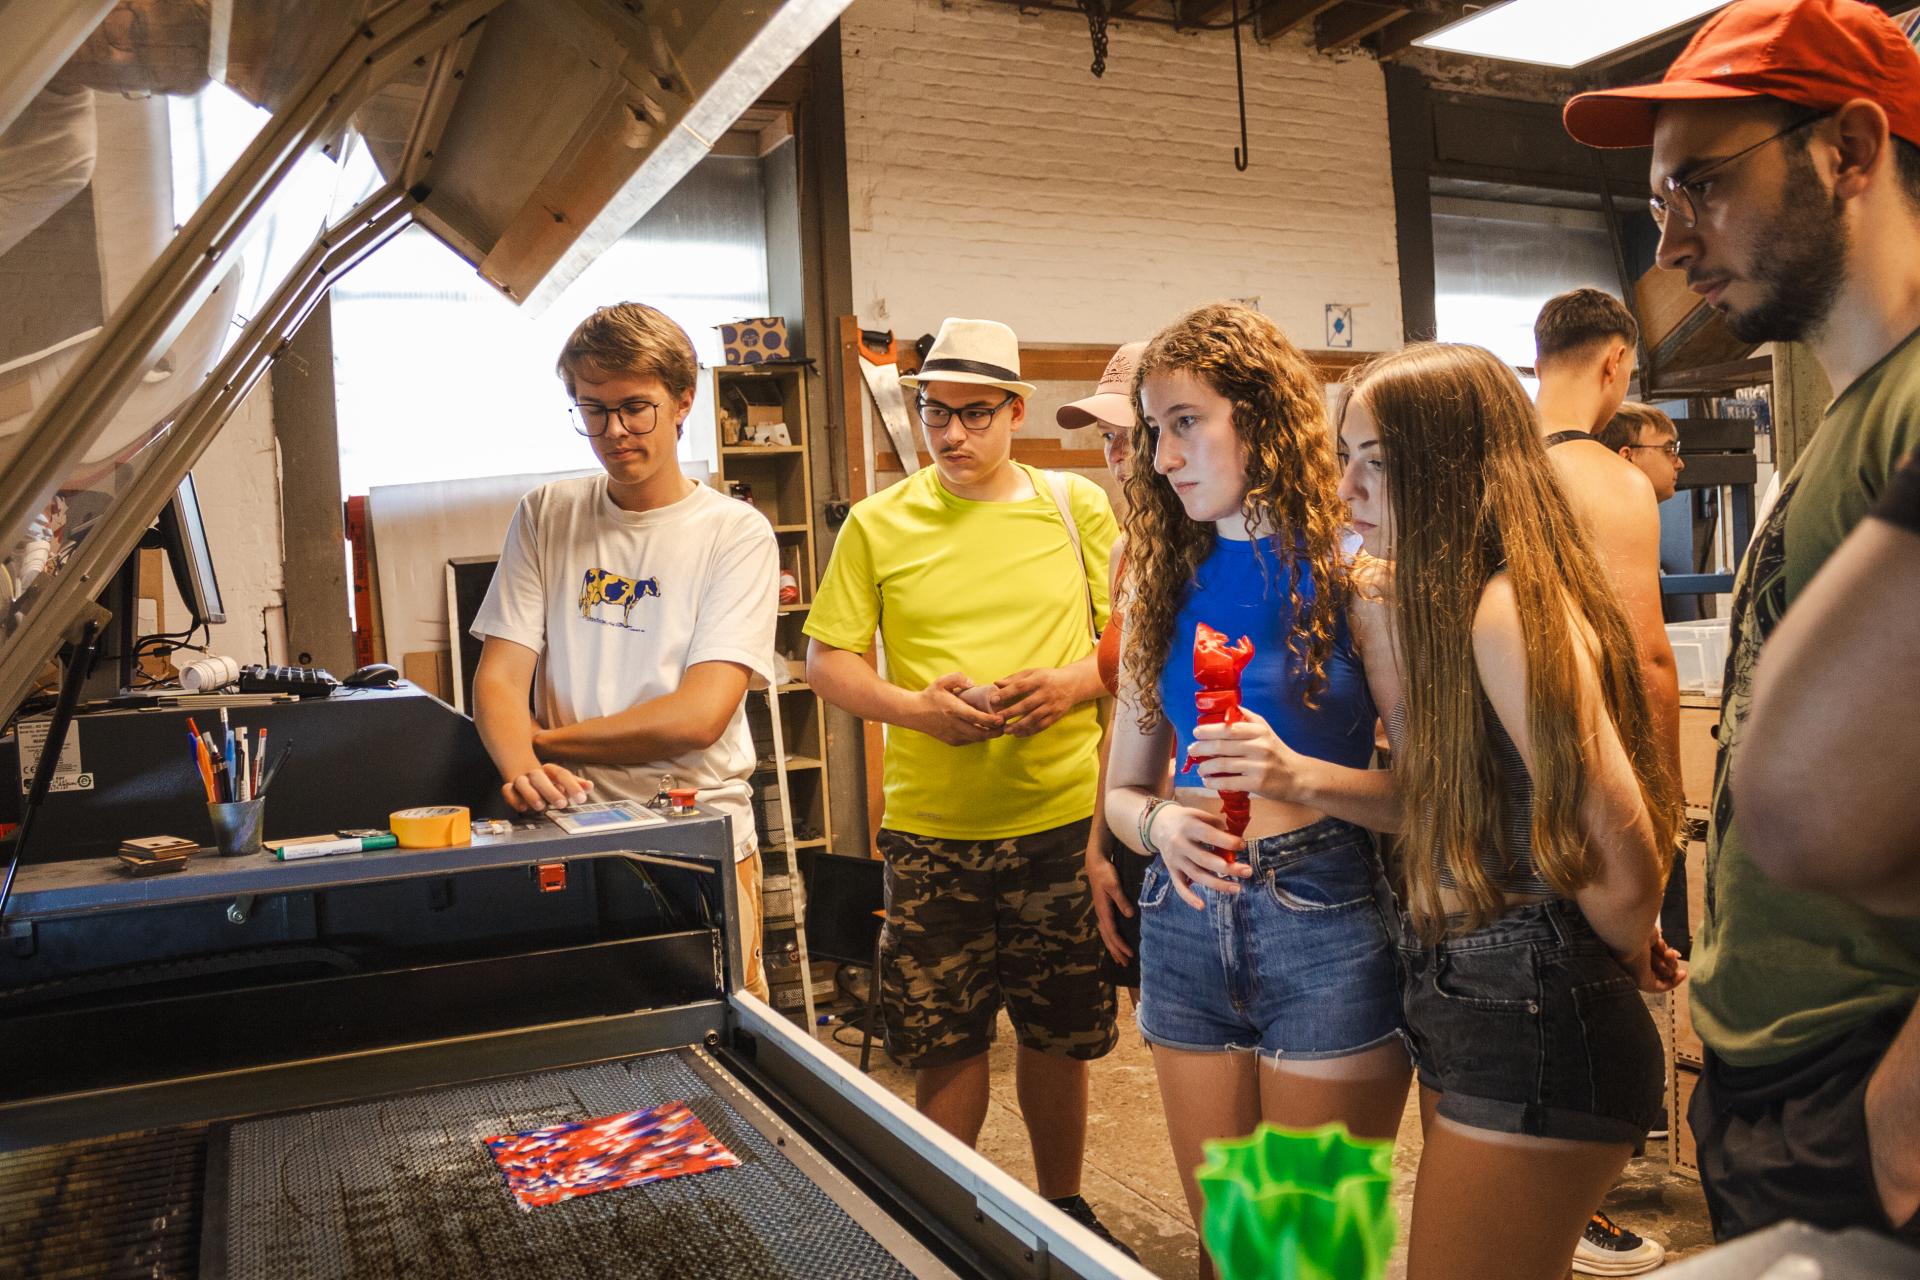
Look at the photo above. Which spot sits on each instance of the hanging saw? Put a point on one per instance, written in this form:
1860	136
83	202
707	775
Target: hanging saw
880	365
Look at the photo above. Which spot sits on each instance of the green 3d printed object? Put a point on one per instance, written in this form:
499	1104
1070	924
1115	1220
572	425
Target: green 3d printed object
1292	1204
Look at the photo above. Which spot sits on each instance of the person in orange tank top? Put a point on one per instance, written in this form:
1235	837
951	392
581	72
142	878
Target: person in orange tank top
1114	871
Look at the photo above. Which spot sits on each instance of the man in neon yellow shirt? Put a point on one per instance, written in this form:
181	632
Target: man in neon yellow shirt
986	610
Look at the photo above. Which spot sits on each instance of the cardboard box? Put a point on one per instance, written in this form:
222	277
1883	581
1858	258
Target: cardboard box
789	998
755	341
1699	717
1687	1049
1684	1066
783	983
788	975
1683	1157
432	670
763	425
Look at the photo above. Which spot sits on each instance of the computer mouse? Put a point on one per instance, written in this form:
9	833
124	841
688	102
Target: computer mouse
375	675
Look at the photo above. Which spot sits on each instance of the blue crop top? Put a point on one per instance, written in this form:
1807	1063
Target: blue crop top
1232	594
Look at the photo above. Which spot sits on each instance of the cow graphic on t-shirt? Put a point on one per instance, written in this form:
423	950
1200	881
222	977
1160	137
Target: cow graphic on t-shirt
602	587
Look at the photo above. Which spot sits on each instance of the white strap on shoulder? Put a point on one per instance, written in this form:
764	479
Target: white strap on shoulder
1057	482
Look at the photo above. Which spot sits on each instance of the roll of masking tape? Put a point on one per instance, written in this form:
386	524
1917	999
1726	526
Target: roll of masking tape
209	673
432	826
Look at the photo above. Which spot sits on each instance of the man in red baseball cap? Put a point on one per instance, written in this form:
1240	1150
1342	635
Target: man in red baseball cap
1786	182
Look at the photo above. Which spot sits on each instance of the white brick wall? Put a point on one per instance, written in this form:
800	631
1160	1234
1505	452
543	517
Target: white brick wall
991	175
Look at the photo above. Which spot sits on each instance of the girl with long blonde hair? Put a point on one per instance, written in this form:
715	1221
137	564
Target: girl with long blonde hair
1536	815
1268	982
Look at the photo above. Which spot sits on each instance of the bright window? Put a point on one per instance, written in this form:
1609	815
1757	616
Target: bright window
1495	265
438	377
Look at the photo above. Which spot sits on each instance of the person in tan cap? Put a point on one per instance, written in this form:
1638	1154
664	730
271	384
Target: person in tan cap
1786	182
1114	872
980	566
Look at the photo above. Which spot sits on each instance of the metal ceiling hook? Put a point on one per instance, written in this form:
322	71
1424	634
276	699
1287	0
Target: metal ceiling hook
1240	153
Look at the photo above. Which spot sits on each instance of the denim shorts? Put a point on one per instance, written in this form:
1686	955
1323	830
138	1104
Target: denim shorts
1529	1025
1298	964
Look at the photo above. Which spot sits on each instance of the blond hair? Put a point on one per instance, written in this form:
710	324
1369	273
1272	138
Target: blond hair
630	338
1473	494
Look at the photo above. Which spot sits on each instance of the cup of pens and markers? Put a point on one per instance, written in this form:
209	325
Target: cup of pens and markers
234	770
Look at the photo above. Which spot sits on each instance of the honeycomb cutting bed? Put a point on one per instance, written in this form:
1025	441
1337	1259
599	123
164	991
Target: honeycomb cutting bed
405	1187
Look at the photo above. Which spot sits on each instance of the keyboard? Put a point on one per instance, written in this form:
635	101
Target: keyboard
303	682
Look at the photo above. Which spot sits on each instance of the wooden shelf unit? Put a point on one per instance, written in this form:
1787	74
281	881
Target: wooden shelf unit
787	721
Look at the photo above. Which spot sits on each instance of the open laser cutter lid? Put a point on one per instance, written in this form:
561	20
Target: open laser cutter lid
527	135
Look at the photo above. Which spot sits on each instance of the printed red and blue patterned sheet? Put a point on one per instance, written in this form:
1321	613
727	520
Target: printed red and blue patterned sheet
546	1166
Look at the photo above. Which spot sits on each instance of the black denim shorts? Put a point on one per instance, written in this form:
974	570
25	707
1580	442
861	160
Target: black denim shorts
1530	1026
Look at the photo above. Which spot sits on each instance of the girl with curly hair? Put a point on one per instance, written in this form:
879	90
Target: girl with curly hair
1268	981
1537	815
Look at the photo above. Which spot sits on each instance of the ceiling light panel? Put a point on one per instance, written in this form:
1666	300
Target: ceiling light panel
1557	33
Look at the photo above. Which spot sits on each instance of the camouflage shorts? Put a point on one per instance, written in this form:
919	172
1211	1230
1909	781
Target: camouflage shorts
973	923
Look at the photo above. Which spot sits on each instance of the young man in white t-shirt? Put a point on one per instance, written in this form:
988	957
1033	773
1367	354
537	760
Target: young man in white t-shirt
636	608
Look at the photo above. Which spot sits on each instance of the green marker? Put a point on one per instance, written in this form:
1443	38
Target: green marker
327	848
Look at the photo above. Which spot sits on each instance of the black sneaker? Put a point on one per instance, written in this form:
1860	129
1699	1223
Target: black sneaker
1659	1129
1609	1249
1077	1208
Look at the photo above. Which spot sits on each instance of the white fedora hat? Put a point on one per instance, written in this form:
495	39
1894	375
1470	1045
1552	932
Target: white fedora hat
982	351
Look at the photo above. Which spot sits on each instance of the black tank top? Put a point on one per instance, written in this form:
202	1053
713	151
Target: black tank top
1559	438
1511	868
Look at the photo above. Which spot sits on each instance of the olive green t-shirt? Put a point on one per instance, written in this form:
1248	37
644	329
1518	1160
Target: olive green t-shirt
1777	971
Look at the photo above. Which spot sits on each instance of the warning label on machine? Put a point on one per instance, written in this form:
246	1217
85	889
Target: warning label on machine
67	773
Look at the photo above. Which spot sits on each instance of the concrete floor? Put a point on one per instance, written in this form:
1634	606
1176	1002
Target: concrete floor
1133	1185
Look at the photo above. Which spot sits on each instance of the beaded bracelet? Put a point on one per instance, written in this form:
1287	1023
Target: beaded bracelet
1145	828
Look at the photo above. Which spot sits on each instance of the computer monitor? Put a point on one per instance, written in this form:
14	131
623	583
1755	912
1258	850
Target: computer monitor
844	899
180	533
184	536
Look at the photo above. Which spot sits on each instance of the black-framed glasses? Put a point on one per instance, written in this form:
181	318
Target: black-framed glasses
974	417
1671	448
638	417
1686	198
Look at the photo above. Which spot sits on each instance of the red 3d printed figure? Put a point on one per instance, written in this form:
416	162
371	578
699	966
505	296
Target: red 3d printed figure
1216	669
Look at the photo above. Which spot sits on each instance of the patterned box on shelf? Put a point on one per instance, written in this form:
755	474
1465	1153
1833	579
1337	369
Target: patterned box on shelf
755	341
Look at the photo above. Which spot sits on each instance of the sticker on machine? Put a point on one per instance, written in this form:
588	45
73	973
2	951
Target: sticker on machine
67	773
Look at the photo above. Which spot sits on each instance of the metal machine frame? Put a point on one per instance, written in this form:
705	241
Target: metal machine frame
927	1184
